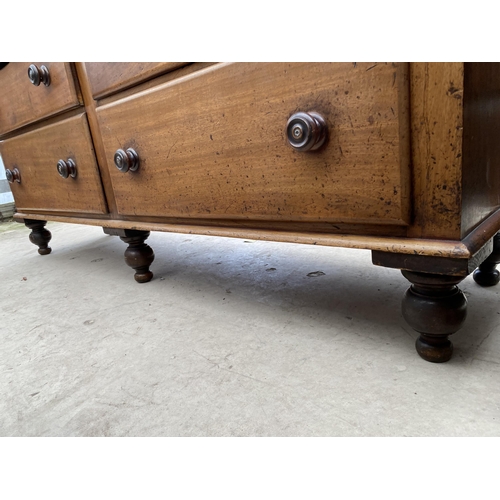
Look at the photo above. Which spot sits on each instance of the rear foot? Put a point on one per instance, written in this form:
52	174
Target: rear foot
487	274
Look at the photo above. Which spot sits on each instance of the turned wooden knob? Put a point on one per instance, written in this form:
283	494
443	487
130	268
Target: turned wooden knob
13	175
39	75
306	131
126	160
66	168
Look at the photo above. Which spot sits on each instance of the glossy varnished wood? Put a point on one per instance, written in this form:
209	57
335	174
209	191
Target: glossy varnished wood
21	102
110	77
213	145
36	154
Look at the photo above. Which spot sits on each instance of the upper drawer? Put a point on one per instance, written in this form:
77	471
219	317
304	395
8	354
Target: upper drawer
110	77
36	156
214	144
21	102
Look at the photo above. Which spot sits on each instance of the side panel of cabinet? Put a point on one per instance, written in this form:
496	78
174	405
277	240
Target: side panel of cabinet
481	159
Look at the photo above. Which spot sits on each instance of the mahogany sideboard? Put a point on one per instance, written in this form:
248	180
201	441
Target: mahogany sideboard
398	158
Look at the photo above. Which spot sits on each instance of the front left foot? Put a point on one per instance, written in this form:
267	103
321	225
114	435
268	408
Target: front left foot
435	307
39	236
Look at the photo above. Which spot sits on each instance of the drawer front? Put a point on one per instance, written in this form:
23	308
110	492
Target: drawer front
108	78
36	156
21	102
214	144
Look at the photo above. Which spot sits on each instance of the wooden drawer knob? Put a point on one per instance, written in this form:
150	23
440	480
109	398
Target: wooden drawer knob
306	131
13	175
66	168
126	160
39	75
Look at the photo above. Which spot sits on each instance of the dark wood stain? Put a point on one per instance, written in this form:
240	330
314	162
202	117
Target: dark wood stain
481	150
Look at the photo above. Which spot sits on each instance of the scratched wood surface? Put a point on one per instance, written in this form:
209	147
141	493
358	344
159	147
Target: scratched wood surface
36	154
437	138
21	102
408	246
213	144
213	151
109	77
90	105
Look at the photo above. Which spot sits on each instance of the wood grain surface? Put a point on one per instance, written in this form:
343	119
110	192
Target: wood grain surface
213	144
109	77
36	154
21	102
90	105
409	246
437	134
215	159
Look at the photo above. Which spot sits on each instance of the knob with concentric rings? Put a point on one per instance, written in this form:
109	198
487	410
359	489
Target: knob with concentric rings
66	168
39	75
306	131
126	160
13	175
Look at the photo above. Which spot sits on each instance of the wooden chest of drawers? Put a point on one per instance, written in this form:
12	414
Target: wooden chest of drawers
397	158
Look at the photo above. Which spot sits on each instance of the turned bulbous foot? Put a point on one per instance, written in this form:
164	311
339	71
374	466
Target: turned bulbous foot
487	274
435	307
138	255
139	258
39	236
434	349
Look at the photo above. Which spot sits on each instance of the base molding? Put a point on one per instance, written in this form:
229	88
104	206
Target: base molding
406	246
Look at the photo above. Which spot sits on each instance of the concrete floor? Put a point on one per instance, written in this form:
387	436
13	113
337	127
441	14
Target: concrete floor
231	338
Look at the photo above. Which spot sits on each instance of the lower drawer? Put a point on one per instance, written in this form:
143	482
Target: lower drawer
214	144
36	155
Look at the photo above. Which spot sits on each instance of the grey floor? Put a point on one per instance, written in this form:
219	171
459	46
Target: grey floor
231	338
